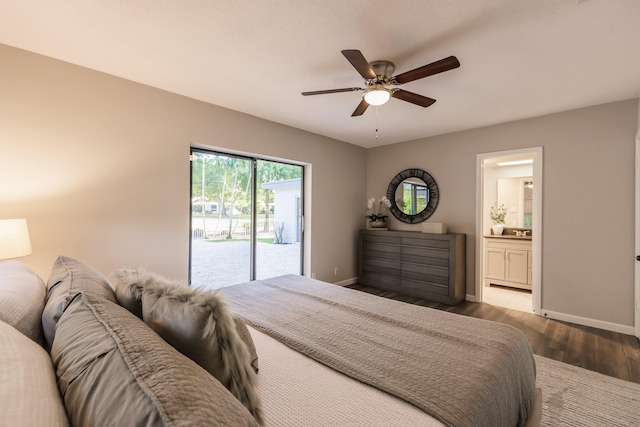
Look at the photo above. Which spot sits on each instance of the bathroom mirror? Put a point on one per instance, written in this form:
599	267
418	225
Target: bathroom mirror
516	194
413	194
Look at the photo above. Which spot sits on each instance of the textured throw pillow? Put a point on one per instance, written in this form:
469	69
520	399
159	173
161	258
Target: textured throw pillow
22	294
131	282
113	370
68	277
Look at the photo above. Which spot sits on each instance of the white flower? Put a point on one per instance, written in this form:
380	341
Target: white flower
376	207
370	203
498	213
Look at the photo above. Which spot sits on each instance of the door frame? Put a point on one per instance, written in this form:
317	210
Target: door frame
537	154
636	304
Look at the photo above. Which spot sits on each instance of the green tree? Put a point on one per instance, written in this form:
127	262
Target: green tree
236	183
227	181
273	171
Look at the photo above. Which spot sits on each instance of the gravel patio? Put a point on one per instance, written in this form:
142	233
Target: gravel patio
218	264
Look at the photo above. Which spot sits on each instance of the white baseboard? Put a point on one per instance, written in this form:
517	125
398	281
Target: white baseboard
585	321
347	282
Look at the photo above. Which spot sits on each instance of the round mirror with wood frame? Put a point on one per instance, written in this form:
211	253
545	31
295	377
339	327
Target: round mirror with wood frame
414	195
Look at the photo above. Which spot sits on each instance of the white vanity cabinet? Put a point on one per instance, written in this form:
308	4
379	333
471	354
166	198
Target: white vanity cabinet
507	262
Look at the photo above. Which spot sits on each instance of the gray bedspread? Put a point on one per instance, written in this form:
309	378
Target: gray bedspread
461	370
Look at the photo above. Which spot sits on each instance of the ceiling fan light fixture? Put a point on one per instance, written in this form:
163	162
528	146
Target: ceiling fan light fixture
377	95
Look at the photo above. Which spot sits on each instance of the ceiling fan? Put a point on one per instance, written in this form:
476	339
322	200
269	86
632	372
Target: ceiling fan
378	75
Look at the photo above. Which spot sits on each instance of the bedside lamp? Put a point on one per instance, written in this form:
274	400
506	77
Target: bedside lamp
14	238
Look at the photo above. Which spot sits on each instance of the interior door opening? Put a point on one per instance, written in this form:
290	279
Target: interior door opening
509	229
246	219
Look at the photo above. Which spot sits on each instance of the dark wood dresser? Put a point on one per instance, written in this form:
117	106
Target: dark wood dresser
421	265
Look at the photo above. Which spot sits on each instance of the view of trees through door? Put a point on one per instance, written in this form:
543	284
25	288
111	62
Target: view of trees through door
246	219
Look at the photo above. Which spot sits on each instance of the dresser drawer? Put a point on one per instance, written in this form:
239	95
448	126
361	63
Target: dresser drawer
381	266
379	281
429	243
396	256
382	237
422	289
422	273
382	250
428	256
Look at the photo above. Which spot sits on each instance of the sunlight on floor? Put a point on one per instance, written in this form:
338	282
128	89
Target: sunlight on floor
516	299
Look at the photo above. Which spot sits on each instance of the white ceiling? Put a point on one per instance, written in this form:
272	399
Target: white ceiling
519	58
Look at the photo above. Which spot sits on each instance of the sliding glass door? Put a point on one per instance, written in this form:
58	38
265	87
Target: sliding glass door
279	219
246	219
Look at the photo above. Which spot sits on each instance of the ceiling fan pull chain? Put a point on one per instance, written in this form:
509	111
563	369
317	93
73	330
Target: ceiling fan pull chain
376	123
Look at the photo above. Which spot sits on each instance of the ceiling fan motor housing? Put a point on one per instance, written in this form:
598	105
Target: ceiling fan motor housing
383	69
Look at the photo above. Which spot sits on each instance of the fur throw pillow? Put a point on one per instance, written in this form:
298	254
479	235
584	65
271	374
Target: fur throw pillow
200	325
128	293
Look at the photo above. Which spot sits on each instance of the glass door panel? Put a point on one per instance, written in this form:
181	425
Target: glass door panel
278	219
221	219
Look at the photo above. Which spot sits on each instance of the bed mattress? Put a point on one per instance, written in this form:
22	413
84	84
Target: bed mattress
459	370
298	391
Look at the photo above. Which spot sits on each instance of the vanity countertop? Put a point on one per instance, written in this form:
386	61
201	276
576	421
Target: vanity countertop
507	236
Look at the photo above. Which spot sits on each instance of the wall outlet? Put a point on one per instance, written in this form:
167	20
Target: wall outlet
335	271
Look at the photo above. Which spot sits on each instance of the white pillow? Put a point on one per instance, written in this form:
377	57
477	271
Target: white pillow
22	296
29	393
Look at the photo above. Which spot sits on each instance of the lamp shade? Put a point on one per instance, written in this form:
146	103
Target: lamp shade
377	95
14	238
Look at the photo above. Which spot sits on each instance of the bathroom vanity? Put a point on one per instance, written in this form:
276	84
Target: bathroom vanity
508	261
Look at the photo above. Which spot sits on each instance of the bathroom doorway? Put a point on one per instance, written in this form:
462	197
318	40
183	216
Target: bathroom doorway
509	229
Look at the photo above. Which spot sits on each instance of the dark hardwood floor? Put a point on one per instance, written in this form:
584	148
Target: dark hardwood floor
610	353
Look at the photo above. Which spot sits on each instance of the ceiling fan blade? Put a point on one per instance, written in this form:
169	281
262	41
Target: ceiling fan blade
360	109
322	92
440	66
359	62
413	98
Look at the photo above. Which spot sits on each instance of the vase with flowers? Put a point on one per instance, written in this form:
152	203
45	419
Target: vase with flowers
497	213
375	208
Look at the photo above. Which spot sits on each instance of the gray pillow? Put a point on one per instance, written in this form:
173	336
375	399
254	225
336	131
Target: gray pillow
22	294
68	277
200	325
113	370
130	284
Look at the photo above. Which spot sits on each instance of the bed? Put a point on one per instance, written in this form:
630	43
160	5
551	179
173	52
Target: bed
327	356
330	355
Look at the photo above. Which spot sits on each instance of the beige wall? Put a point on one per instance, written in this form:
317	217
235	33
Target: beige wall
99	167
588	200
